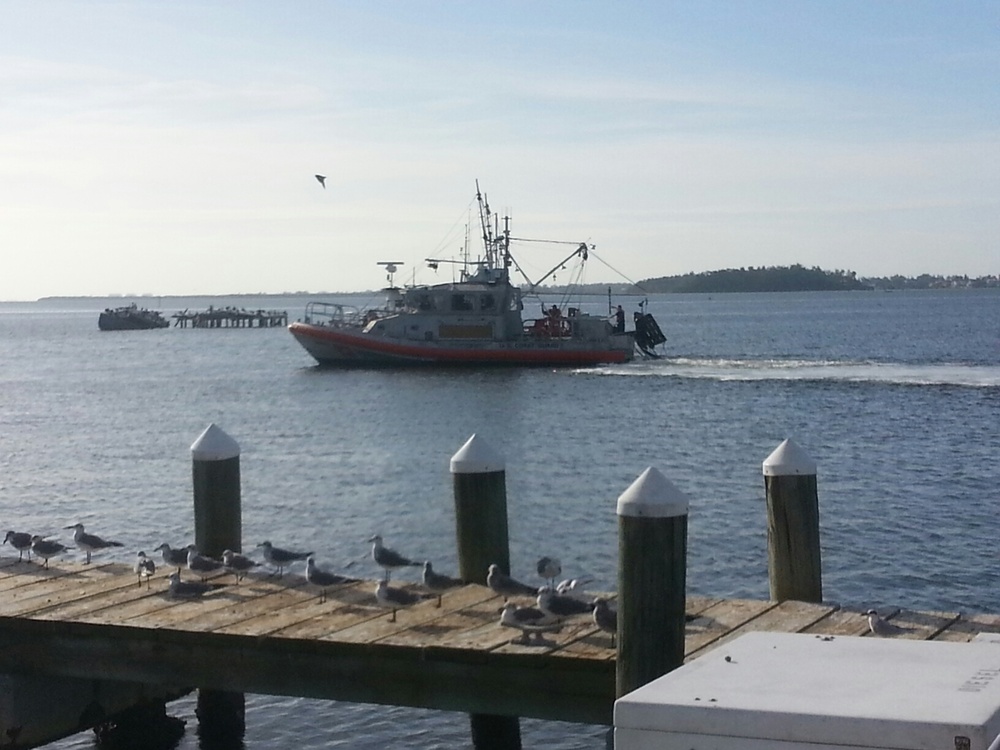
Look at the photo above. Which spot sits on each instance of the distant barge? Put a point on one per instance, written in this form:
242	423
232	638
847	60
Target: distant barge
131	318
231	317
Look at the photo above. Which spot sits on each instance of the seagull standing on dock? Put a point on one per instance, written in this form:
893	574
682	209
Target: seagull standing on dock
548	568
394	599
606	618
21	541
201	564
881	627
505	586
176	558
179	589
437	582
528	620
279	557
322	578
389	559
237	564
558	607
144	568
90	542
45	548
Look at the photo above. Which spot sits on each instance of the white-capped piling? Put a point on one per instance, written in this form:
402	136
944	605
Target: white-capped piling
793	549
218	526
480	487
216	475
652	580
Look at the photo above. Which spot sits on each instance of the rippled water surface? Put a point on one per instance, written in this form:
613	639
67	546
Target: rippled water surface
895	395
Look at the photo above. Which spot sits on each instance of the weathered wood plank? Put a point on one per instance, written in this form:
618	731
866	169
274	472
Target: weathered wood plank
789	616
922	626
715	621
966	628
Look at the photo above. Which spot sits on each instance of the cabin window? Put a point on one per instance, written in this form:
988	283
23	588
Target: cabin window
487	302
462	302
425	302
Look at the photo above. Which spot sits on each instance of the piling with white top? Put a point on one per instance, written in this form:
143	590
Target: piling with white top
652	580
217	507
480	486
793	549
218	526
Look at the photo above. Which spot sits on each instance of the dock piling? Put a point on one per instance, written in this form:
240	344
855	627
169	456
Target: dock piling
218	527
480	487
216	477
793	550
652	579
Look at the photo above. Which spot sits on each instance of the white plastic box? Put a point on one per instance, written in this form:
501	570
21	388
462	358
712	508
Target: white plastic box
789	690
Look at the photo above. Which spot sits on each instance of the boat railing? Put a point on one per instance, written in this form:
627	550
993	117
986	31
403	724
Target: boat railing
332	314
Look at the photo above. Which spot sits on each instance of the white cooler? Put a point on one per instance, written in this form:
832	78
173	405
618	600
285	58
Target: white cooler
789	690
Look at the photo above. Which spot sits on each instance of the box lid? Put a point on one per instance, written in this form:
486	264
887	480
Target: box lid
865	692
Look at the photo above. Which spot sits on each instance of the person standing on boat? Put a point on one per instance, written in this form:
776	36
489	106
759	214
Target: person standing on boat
619	320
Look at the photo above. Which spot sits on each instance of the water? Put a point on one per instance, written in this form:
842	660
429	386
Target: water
895	395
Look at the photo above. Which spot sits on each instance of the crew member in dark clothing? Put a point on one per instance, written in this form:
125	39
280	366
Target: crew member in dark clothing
619	320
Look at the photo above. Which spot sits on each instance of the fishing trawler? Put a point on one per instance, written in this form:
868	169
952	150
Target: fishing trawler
475	320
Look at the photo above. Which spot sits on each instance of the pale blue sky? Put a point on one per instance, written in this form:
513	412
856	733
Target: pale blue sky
170	147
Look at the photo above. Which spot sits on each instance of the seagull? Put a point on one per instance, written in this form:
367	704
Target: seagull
322	578
394	599
437	582
574	588
881	627
389	559
548	568
90	542
45	548
200	564
606	618
237	564
144	567
176	558
279	558
527	620
21	541
505	586
558	606
188	589
322	180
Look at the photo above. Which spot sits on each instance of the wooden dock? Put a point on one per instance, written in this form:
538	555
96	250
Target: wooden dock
230	317
274	636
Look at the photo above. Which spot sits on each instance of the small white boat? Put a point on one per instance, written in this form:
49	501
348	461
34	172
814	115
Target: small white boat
476	320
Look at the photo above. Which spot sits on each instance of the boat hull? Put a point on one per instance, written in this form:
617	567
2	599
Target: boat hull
351	346
121	322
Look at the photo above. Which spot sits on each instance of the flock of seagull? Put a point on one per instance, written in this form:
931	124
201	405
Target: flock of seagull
554	602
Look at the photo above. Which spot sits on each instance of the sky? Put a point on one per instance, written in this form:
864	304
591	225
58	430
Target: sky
170	147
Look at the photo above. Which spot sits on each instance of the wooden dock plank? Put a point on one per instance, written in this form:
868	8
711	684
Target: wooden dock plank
966	628
788	617
460	623
717	620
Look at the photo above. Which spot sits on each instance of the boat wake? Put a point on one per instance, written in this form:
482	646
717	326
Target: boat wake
749	370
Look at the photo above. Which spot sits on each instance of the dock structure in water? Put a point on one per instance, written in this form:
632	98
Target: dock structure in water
274	636
231	317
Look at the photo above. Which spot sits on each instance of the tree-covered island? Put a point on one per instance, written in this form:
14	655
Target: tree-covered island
796	278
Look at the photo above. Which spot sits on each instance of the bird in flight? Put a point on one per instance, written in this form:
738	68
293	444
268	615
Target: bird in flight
322	180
